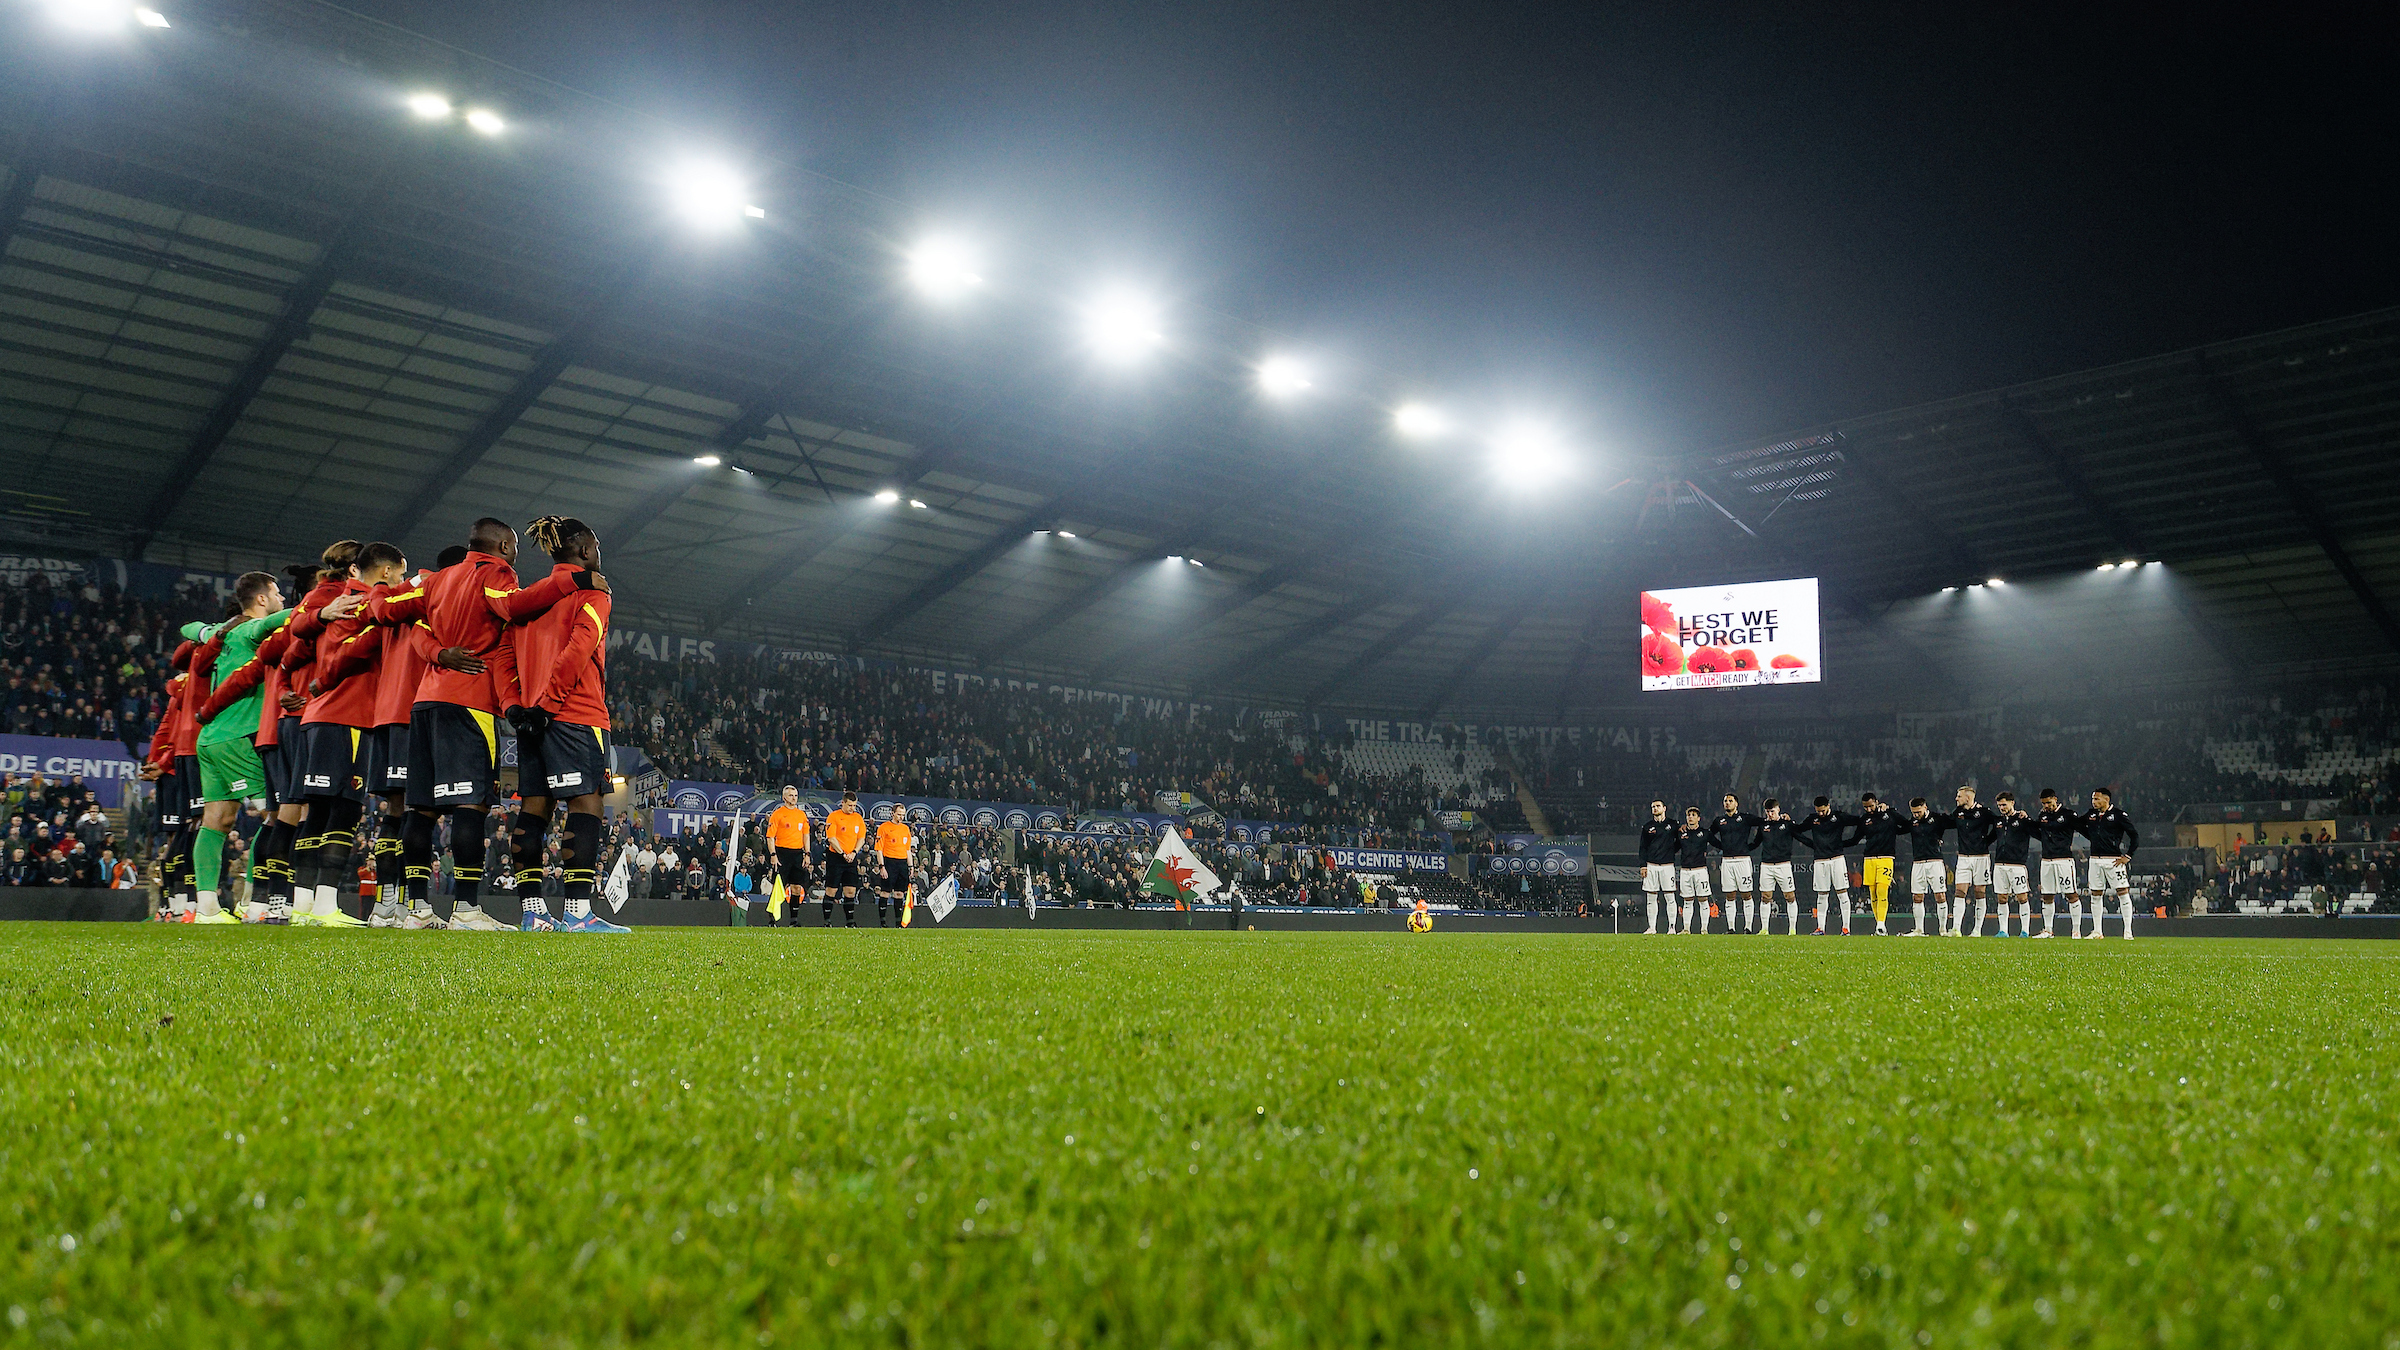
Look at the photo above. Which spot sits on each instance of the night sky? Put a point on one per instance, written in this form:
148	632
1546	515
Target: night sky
1679	228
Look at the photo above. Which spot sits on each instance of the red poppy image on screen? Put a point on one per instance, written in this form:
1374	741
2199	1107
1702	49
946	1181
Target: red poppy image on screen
1790	663
1745	659
1657	615
1710	661
1661	656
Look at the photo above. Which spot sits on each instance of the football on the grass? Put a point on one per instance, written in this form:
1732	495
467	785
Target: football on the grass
1419	921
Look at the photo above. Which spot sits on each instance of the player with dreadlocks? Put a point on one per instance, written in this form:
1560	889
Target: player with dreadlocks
562	732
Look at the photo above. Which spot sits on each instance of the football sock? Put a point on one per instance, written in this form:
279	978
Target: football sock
389	869
1653	898
1977	930
2075	917
208	864
526	834
2125	908
416	856
1916	910
1791	916
466	859
581	866
849	909
333	851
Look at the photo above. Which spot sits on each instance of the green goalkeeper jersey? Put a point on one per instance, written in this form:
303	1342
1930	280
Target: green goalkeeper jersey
240	718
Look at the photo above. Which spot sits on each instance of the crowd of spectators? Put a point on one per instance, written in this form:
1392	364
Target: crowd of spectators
829	725
87	660
2320	872
57	835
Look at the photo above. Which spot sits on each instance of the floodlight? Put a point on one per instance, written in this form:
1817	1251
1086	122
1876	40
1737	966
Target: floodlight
943	268
1947	589
1121	326
1066	534
1174	557
1281	376
711	195
887	496
151	18
1528	455
1974	585
429	106
710	461
1420	420
2108	567
96	16
915	503
1995	581
2131	563
486	121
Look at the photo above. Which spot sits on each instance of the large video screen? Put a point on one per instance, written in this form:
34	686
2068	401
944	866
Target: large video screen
1724	637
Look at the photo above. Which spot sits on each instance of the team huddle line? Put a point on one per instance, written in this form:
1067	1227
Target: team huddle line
1995	845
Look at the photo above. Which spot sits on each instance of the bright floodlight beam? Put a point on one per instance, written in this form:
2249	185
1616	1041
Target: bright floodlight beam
1282	377
1121	327
887	496
711	196
1419	421
1527	455
943	268
707	461
429	106
486	121
151	18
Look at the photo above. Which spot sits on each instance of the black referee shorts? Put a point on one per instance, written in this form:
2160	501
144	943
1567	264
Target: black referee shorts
568	760
453	756
792	865
895	874
841	873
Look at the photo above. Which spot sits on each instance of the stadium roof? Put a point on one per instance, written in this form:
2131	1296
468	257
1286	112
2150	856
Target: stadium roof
250	304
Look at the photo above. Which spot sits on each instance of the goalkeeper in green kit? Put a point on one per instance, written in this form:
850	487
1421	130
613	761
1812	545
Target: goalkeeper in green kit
230	772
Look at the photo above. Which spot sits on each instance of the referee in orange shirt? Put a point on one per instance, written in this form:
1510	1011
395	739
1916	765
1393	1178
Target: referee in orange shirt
894	842
787	848
845	834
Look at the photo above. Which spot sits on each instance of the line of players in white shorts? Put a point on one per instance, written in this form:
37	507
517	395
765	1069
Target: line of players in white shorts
1994	862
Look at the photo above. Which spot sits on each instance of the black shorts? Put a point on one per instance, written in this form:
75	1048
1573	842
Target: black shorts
174	804
792	867
280	787
387	759
329	761
840	872
453	756
570	760
187	773
895	874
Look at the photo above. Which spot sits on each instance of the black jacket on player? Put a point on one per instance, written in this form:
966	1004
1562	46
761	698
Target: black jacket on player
1879	831
1691	846
1827	835
1737	834
2056	829
2015	833
1975	825
1658	841
1775	840
2111	832
1925	836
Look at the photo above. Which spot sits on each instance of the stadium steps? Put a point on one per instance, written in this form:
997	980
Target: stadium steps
1534	815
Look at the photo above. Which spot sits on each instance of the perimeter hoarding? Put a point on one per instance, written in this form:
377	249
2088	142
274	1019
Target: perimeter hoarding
1724	637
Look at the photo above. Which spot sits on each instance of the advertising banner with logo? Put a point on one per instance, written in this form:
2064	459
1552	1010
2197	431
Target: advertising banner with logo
1387	860
106	767
1547	858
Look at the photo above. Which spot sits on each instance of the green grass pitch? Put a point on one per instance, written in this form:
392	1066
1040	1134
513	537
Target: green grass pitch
1192	1139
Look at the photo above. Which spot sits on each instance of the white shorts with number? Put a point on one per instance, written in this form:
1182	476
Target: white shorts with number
1734	874
2058	876
1695	882
1659	877
2008	879
1974	869
1928	877
1832	874
1773	877
2106	874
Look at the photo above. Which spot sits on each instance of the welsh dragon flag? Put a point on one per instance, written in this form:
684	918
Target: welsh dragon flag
1176	874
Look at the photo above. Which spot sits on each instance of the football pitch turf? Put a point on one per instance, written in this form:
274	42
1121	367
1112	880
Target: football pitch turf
1027	1138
